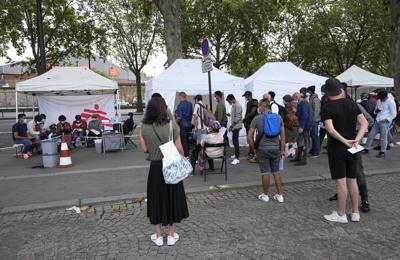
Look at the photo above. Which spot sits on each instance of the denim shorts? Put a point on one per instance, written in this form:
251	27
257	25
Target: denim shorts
268	160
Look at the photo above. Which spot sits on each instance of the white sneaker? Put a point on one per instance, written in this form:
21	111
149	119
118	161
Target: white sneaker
355	217
235	161
263	197
157	240
233	157
172	240
278	197
334	217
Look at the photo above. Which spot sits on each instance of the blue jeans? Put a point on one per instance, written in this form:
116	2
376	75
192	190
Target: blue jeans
77	134
27	145
381	128
184	134
315	142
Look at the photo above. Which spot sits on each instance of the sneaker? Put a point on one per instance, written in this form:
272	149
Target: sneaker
365	206
334	217
355	217
253	159
278	197
314	155
365	151
380	155
263	197
235	161
233	156
172	240
157	240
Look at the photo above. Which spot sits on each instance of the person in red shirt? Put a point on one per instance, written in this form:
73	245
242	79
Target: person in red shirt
79	127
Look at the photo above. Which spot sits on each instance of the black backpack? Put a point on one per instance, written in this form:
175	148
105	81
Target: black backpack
282	111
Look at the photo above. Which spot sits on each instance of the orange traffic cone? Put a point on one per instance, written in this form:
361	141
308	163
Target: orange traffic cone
65	157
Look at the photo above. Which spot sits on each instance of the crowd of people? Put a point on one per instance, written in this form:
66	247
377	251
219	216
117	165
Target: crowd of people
297	129
79	133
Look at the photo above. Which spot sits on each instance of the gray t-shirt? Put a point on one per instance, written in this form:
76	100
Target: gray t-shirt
152	142
266	143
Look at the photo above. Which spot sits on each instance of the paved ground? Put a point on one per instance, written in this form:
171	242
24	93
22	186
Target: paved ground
227	224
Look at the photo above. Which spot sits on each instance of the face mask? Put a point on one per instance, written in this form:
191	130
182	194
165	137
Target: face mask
308	94
295	101
25	121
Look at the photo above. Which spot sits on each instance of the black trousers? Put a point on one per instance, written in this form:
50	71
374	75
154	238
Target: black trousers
235	141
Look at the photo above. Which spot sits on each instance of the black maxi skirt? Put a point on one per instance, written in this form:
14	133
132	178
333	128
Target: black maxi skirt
166	203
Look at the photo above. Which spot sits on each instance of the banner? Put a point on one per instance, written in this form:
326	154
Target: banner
70	106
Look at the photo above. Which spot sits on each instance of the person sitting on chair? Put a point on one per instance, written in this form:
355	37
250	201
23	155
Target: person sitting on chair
64	129
34	128
128	125
79	127
95	128
213	137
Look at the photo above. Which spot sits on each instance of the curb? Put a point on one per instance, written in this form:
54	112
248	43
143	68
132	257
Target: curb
213	188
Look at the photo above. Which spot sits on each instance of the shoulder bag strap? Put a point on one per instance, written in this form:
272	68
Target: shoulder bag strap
158	137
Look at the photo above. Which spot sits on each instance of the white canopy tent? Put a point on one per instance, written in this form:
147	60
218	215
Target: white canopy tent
186	75
71	91
356	77
283	78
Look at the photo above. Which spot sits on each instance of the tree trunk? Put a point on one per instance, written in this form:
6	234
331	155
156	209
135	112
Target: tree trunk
139	107
170	11
395	44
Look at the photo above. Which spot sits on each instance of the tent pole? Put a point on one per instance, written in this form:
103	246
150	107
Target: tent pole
33	107
16	105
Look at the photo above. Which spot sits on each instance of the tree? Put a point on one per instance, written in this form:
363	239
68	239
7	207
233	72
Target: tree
62	29
395	43
170	10
134	28
342	33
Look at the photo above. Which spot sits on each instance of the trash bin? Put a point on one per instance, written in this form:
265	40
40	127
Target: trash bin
98	145
50	160
50	153
49	146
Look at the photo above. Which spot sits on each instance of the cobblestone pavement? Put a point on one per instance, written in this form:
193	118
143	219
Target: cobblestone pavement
227	224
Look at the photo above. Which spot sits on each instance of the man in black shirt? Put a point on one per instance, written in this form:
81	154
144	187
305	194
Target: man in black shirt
340	117
251	112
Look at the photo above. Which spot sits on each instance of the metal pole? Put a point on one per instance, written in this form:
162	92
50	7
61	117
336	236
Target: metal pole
209	90
40	36
16	105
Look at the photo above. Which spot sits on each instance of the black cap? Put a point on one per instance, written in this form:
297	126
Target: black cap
333	87
311	89
247	93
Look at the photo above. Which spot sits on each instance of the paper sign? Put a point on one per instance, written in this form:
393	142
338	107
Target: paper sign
357	149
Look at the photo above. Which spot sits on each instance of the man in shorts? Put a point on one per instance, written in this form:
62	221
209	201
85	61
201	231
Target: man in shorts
270	151
340	118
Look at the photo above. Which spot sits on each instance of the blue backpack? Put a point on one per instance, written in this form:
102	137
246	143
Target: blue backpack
272	125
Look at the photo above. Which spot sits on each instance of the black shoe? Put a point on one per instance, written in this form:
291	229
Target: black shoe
301	163
388	147
365	151
378	147
325	147
380	155
333	198
365	206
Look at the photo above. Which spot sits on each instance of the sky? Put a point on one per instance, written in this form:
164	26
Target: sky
153	68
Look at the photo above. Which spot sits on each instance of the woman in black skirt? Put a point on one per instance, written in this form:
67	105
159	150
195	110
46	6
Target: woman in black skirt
166	203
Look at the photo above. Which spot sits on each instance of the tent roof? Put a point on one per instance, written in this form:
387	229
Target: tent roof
285	72
186	74
67	81
355	76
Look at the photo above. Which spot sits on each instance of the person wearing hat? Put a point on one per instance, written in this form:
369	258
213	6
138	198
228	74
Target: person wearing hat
315	103
340	117
305	119
79	127
64	129
251	112
291	122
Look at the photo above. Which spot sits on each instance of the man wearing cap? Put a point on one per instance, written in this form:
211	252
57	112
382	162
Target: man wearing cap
315	103
251	112
305	120
340	117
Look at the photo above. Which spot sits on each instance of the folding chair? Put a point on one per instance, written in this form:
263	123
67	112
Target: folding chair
223	169
129	137
18	150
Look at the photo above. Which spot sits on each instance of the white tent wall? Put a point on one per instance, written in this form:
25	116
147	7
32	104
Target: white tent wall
54	106
282	78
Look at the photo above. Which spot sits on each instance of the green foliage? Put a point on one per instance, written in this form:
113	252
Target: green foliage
134	28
